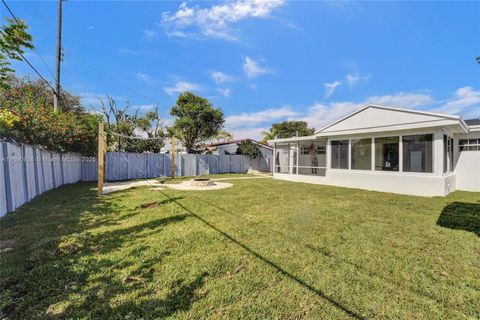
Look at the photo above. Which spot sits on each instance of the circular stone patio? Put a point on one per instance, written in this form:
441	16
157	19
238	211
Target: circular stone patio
187	185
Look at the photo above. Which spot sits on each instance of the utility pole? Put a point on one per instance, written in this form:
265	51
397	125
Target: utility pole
56	97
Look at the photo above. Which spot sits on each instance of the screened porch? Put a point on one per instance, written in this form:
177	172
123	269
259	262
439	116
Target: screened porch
304	157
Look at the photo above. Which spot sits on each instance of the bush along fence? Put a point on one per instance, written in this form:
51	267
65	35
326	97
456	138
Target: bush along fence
123	166
26	171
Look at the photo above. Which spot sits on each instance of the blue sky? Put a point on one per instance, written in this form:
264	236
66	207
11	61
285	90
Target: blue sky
265	61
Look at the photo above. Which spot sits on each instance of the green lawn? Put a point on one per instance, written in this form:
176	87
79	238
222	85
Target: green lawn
263	249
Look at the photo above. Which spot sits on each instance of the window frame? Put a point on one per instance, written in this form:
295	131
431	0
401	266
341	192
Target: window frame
400	153
371	147
348	154
432	141
473	144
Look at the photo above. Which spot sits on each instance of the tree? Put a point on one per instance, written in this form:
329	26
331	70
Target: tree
288	129
120	120
250	149
196	121
41	92
13	39
223	136
27	117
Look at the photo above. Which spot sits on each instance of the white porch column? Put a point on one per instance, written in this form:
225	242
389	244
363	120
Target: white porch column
438	153
328	154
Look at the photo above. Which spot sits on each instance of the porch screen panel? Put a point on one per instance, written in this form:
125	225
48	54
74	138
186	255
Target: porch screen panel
418	153
362	154
387	154
282	158
339	154
312	158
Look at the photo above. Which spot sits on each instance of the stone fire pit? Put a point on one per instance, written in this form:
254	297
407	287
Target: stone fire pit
202	182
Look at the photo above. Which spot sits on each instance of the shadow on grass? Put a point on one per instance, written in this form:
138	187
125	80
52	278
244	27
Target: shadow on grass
326	253
272	264
58	256
461	216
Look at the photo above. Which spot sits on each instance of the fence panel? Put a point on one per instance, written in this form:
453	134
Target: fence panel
27	171
14	182
3	190
203	164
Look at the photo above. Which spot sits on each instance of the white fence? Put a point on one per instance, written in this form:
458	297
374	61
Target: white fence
123	166
26	172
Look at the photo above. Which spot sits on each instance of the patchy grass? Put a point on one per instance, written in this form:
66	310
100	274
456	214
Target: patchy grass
261	249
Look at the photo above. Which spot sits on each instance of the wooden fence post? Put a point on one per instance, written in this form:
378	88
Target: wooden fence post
172	142
101	157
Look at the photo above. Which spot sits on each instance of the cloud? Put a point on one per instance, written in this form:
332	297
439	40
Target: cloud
220	77
215	21
149	34
224	91
355	78
90	27
255	133
259	117
465	102
127	51
92	99
146	78
402	99
253	87
252	69
182	86
331	87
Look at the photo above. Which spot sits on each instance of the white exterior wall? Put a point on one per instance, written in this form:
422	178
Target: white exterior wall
467	164
411	184
423	184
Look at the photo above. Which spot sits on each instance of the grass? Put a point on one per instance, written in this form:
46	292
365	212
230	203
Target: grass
263	249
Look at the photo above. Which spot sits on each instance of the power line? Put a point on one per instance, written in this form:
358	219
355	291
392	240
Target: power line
23	57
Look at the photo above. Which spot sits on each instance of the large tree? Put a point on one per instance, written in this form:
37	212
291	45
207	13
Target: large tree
14	38
196	121
288	129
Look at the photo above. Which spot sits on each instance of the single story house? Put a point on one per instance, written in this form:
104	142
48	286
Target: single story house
386	149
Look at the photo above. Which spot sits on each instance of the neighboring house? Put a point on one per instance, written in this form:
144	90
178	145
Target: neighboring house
386	149
231	147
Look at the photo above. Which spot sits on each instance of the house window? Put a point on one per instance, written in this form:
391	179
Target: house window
387	154
469	144
447	154
418	153
340	154
362	154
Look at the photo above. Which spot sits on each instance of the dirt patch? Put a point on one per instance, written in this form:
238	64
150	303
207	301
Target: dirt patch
149	205
8	245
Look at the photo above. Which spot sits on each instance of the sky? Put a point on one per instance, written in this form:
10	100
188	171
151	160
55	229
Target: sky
263	61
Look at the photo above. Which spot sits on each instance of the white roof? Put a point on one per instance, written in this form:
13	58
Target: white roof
381	118
377	118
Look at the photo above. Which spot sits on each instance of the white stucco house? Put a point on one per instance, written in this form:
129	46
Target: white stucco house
386	149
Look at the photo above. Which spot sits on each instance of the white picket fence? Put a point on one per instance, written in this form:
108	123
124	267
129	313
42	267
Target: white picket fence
26	171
